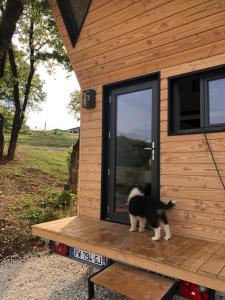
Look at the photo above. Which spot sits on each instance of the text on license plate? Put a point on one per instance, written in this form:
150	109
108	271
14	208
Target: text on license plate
88	257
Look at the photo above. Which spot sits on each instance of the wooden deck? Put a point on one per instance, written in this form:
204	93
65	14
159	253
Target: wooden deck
190	259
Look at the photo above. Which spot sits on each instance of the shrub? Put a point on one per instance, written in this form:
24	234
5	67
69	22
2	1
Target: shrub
58	201
37	215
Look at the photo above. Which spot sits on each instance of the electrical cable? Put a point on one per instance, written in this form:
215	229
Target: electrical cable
213	158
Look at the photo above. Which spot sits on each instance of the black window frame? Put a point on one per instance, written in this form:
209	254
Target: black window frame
173	100
70	22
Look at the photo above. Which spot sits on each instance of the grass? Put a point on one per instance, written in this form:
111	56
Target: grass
45	139
50	161
32	188
46	151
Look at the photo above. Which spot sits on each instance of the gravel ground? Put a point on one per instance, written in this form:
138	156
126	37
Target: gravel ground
47	277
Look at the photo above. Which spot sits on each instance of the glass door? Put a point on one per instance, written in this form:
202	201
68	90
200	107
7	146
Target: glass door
133	144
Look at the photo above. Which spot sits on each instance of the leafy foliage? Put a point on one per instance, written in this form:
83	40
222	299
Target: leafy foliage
8	117
57	200
74	104
37	94
48	209
37	42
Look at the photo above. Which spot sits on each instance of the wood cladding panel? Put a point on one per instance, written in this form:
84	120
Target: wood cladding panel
198	205
205	218
158	46
126	39
207	232
191	157
190	169
115	22
157	25
109	8
201	194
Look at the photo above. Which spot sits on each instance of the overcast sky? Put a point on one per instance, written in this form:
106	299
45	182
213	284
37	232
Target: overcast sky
54	111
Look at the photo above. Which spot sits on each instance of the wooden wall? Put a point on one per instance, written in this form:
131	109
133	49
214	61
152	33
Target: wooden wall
125	39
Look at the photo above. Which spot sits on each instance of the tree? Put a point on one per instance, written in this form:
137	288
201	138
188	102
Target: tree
74	108
15	93
10	13
39	42
2	141
6	117
74	104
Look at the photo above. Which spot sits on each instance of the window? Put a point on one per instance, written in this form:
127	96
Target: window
197	102
73	14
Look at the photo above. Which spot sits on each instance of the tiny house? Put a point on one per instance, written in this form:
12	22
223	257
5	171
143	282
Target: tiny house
152	75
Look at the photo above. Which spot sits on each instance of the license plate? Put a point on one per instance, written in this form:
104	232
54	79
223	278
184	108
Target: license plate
89	257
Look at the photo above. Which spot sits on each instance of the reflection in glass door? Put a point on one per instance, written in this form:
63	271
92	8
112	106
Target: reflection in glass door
132	147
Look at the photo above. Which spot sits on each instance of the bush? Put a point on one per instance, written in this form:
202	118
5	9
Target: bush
37	215
58	201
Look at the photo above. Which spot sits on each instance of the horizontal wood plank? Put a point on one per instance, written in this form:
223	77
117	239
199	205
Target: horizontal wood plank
215	264
158	46
185	13
191	169
194	262
193	193
201	218
206	182
116	21
202	205
157	64
191	157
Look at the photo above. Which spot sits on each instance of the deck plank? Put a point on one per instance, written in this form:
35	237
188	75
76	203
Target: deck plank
221	274
215	264
142	245
194	262
177	258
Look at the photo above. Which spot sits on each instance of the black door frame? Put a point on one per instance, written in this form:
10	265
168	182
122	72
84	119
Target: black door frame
151	81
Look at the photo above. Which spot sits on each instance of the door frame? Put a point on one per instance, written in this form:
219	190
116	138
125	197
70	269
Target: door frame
106	114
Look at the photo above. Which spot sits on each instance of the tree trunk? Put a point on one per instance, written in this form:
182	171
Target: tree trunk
1	136
74	167
20	111
17	123
10	16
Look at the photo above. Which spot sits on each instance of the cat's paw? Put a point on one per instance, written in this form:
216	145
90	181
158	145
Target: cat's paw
155	238
166	238
141	230
132	229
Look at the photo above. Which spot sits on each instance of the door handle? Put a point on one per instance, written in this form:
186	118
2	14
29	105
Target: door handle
152	149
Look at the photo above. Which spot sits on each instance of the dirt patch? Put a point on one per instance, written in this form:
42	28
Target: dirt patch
14	237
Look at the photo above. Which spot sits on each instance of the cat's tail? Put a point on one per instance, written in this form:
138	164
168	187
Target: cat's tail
169	205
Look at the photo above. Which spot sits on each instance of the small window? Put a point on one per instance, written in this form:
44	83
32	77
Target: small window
216	99
73	14
197	102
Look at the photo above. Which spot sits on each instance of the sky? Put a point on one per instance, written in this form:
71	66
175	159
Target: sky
54	110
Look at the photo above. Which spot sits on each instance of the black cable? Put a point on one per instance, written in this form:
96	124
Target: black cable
210	150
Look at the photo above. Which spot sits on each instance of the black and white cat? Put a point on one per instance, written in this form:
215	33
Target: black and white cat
143	209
